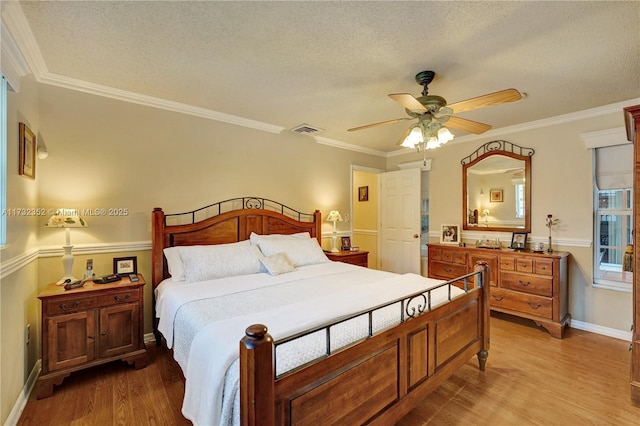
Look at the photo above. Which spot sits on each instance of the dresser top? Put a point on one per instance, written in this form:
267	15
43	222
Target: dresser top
502	251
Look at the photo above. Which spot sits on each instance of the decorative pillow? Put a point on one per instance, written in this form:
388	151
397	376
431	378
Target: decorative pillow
175	263
256	238
277	264
219	261
301	251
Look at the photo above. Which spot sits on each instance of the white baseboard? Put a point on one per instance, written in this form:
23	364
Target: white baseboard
18	407
598	329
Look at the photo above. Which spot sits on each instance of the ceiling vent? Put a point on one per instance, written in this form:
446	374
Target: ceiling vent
306	129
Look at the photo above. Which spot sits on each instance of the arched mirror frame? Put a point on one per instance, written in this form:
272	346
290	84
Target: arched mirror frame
498	147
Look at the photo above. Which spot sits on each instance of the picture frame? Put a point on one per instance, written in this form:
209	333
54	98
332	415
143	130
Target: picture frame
125	265
519	241
363	193
345	243
496	195
26	152
450	234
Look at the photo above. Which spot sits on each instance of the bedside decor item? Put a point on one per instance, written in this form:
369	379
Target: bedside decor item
125	265
519	241
345	244
334	216
496	195
67	218
363	193
27	152
538	247
450	234
550	222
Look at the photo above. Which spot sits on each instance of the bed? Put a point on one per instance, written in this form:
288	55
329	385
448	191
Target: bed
301	340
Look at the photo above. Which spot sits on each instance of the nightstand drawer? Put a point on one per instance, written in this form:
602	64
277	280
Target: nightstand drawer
119	297
68	305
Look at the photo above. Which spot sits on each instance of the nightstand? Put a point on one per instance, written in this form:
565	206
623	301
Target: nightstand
89	326
360	258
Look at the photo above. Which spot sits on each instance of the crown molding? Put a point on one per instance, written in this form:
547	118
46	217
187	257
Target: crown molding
12	65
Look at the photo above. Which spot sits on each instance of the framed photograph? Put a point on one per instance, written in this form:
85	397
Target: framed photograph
363	193
450	234
495	195
345	243
519	240
125	265
27	152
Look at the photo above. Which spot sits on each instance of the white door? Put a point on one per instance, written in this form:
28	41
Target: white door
400	221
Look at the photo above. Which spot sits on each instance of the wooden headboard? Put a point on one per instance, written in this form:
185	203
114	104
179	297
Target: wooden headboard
228	221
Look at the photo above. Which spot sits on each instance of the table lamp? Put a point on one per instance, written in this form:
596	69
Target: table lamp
334	216
67	218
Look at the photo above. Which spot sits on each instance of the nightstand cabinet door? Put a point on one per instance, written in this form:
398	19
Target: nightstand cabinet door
71	340
118	330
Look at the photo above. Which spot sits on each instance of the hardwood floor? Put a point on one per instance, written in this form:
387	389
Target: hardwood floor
531	379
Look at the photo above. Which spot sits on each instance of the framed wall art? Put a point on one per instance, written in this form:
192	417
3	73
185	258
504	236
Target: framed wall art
363	193
496	195
27	152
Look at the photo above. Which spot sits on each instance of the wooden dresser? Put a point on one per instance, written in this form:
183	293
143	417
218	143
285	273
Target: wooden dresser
360	258
88	326
526	284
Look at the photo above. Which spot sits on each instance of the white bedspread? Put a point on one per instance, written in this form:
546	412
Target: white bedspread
220	311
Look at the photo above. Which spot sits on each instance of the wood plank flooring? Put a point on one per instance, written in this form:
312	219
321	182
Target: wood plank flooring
531	379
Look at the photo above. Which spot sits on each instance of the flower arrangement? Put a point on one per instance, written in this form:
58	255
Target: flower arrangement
550	222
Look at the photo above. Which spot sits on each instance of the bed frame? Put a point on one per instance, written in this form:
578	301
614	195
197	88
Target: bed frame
375	381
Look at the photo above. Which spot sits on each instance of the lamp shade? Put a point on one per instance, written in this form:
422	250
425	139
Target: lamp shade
334	216
66	218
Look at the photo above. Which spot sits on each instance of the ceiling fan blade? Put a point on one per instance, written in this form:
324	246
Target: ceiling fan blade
404	135
382	123
501	97
408	101
467	125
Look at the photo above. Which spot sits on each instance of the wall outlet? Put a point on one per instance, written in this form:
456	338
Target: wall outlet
28	334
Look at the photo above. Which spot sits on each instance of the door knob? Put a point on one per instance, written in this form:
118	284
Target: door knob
416	236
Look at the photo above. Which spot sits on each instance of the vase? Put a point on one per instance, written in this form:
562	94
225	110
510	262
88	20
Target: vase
550	249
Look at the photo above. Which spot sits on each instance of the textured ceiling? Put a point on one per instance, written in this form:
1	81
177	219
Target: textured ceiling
332	64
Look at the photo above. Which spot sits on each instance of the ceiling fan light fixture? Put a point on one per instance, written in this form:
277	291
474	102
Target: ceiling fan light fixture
427	137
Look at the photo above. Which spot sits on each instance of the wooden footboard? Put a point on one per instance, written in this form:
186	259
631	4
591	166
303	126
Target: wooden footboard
376	381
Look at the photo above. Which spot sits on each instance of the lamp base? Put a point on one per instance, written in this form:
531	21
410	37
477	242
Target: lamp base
335	250
64	279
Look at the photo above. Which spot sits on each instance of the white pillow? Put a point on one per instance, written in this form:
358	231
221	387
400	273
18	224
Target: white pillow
256	238
219	261
175	265
301	251
277	264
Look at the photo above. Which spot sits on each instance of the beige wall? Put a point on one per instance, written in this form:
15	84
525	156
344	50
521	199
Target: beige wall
110	154
562	185
365	215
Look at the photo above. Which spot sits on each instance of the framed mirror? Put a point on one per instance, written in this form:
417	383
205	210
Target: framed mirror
496	188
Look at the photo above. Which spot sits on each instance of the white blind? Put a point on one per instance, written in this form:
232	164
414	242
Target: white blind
614	167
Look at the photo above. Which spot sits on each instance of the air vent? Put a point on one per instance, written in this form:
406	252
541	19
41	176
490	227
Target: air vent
306	129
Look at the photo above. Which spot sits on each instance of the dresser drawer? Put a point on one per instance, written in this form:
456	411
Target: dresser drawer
507	263
533	284
522	302
544	267
446	270
524	265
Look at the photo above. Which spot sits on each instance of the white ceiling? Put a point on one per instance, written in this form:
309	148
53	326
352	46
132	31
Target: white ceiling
332	64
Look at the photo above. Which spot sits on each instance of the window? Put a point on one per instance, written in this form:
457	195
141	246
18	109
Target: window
519	200
613	199
3	161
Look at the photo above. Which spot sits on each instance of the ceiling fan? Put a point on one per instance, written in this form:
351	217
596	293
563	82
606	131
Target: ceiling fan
432	111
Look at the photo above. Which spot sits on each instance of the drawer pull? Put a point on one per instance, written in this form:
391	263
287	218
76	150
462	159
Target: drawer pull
532	306
527	284
498	298
448	270
91	336
118	299
64	307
